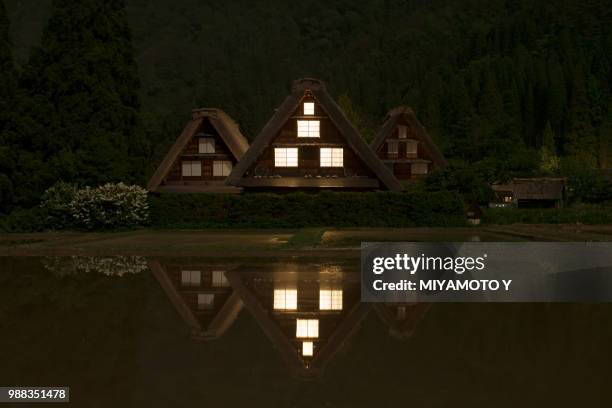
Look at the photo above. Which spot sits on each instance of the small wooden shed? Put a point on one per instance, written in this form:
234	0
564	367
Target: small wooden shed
531	192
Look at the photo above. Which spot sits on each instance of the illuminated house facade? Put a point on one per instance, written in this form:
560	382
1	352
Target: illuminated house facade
201	295
309	144
307	314
202	157
403	144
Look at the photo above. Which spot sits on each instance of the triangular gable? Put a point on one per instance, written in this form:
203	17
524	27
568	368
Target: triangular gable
391	121
222	320
335	114
402	325
227	129
351	319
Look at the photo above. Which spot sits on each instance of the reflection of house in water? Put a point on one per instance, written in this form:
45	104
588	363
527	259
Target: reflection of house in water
201	294
308	313
402	319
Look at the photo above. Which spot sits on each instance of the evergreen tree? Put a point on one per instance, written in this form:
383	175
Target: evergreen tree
549	161
82	96
7	95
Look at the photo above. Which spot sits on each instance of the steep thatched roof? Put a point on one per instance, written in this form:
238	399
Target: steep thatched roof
226	127
408	114
346	129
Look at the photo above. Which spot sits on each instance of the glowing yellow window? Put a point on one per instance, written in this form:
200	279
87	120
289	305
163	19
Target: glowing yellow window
307	328
307	348
309	108
308	128
330	299
285	299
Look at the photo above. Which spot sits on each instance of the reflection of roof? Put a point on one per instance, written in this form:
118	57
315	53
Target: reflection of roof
544	188
335	327
215	325
402	327
225	126
282	115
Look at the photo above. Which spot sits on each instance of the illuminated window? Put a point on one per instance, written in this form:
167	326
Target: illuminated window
285	157
419	168
308	108
191	278
219	280
192	168
222	168
285	299
392	147
402	131
308	128
411	148
206	145
307	328
507	199
330	299
307	348
332	157
206	301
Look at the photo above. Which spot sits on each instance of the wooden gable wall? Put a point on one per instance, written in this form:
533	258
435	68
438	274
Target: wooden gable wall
190	153
402	162
308	149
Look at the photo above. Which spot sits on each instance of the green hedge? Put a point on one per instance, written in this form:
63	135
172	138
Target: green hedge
294	210
585	214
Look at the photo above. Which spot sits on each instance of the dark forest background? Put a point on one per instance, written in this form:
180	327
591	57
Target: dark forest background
97	90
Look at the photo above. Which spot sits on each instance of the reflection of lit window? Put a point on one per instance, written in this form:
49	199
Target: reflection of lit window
219	280
419	168
285	299
206	145
308	108
402	131
331	157
285	157
307	348
330	299
191	278
206	300
307	328
401	312
308	128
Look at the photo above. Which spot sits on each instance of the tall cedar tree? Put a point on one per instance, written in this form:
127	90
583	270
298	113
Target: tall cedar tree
80	112
8	77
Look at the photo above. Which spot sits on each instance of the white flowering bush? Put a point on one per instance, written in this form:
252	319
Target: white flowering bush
110	206
109	265
104	207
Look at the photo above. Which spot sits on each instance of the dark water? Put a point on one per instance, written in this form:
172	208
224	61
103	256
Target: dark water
130	331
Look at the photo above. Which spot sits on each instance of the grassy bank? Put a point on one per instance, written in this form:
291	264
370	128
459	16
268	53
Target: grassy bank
584	214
